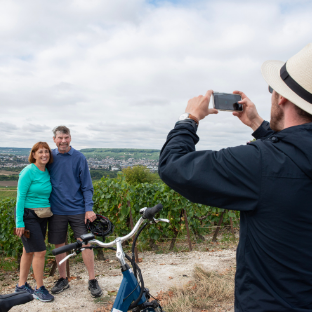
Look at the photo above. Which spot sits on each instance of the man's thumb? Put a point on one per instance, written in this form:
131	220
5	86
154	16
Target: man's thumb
213	111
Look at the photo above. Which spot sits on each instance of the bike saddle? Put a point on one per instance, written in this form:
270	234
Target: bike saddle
10	300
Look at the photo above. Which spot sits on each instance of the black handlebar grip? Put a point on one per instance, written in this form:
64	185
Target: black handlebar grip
65	248
150	213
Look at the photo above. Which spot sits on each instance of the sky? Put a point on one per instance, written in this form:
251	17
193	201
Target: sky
120	73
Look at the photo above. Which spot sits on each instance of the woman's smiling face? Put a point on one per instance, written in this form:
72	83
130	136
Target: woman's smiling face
42	156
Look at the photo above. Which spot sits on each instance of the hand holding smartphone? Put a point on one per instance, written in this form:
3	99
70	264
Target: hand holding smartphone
227	102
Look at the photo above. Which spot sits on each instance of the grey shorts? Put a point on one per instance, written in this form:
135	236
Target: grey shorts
37	228
58	227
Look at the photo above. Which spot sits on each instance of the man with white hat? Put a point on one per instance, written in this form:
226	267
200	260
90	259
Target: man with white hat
268	180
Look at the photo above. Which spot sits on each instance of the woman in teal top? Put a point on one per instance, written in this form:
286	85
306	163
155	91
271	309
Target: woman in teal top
32	212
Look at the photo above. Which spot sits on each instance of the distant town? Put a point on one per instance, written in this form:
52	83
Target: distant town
112	164
12	161
18	158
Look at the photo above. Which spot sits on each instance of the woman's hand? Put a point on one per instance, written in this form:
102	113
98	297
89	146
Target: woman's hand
249	116
20	231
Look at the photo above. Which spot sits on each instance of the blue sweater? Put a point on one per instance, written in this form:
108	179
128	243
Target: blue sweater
72	188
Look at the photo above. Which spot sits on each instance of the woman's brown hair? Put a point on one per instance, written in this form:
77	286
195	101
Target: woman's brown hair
35	148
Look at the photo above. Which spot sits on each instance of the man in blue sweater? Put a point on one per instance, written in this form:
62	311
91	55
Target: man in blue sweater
71	203
269	181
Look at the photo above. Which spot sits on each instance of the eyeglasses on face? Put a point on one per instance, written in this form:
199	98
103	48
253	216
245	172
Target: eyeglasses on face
270	89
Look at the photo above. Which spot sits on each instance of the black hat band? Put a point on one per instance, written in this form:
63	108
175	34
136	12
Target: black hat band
294	86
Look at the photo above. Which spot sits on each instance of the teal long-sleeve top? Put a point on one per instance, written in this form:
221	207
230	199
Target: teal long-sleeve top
33	191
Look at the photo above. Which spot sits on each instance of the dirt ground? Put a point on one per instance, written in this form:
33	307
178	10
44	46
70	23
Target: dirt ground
160	272
8	183
5	172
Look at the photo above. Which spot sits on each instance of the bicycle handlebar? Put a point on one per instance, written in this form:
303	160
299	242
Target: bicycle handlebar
150	213
147	214
66	248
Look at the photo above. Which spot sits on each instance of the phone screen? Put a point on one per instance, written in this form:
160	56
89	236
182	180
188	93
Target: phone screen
227	101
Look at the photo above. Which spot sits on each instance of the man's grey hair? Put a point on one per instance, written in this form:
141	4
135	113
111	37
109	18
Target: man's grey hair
62	129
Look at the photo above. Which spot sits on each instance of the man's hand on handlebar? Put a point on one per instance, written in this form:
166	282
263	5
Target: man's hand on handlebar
249	116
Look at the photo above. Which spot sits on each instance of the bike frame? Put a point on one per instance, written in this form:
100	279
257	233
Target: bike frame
129	289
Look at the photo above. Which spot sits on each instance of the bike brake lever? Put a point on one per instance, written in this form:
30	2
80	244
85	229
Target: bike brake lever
68	256
160	220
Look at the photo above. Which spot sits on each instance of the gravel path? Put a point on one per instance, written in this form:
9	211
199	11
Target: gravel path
160	272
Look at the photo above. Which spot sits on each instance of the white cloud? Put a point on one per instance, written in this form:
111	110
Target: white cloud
31	128
119	73
6	127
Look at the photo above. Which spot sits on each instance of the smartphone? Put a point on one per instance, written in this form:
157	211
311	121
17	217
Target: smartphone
227	102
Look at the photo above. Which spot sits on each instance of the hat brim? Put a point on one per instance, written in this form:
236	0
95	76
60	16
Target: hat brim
271	73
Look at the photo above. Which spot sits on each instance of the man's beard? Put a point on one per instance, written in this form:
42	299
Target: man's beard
277	117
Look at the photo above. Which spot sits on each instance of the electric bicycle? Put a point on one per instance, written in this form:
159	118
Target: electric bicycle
132	295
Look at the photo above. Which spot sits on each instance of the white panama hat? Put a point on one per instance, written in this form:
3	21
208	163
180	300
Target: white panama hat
293	79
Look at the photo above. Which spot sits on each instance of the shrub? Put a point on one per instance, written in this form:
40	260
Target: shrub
115	198
9	243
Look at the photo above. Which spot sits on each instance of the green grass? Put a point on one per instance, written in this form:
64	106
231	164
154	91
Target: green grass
7	187
7	193
102	300
7	264
204	292
227	237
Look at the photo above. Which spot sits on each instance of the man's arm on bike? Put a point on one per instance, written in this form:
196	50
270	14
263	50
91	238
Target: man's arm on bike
87	190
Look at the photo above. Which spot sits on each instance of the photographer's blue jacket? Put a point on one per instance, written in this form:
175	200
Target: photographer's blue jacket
270	182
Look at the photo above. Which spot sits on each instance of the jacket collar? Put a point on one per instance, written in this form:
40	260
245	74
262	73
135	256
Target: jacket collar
293	129
70	152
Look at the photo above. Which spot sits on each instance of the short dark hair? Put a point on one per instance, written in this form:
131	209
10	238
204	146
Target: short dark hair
35	148
62	129
303	114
